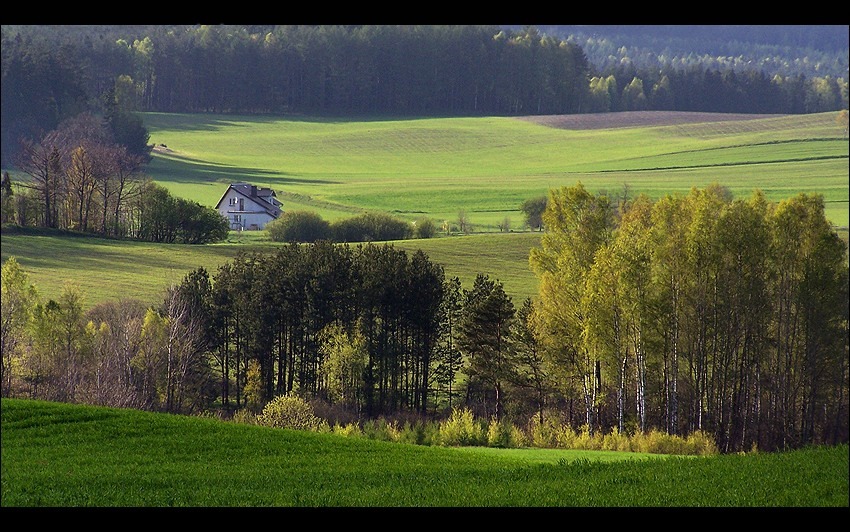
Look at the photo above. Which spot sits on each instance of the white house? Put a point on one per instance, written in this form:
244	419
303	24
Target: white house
247	207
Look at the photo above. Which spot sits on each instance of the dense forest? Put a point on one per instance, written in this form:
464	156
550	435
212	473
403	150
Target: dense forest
814	51
697	313
51	73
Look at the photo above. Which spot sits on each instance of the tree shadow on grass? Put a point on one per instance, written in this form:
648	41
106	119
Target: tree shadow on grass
174	168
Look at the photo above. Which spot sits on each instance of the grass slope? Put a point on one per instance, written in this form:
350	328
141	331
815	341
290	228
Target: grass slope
106	269
57	454
488	166
437	167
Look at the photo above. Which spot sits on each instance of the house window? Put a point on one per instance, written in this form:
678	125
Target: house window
237	218
232	202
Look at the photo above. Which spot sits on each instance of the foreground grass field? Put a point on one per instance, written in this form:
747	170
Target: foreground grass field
57	454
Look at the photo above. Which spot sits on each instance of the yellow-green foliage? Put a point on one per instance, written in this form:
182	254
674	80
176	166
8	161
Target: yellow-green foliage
461	429
415	433
349	429
502	433
392	431
381	429
253	385
587	441
291	412
543	435
565	437
701	443
657	442
551	434
651	442
616	441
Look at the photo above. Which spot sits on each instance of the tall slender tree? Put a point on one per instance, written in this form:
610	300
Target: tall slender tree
484	336
19	298
578	224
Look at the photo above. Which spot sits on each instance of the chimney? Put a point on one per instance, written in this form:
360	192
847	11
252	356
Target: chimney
253	191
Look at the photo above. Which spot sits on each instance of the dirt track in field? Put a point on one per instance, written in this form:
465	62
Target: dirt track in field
636	119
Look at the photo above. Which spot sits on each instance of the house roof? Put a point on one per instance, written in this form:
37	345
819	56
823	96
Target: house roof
260	196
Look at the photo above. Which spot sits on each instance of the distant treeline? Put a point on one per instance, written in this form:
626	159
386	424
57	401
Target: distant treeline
784	49
50	73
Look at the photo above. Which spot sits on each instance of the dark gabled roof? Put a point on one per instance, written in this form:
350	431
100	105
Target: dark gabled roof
258	195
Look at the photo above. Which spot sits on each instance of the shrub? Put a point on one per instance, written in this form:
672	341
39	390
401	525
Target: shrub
291	412
461	429
413	433
502	433
565	437
349	429
253	385
533	209
391	430
543	435
656	442
167	219
425	228
701	443
299	226
587	441
498	434
430	434
370	227
382	430
616	441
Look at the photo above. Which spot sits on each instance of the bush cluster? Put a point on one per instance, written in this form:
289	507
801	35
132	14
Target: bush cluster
299	226
291	412
309	226
463	429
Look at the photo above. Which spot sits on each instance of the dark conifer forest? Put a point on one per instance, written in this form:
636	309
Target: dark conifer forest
50	73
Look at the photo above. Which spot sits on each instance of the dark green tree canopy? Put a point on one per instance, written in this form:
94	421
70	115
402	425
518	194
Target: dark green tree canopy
51	73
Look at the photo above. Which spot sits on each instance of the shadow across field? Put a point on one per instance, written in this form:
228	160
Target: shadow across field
218	122
174	168
204	122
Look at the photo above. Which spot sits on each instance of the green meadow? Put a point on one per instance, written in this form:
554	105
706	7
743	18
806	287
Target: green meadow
65	455
105	270
436	167
487	167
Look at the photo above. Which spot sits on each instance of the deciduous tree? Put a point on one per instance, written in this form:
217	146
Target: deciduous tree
19	298
578	224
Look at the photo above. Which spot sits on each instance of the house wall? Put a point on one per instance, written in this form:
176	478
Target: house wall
246	216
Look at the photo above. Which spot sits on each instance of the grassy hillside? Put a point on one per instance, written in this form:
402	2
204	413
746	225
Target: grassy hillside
485	167
488	166
57	454
109	269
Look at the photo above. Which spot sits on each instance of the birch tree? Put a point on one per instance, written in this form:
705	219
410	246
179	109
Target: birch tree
633	255
577	225
669	271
